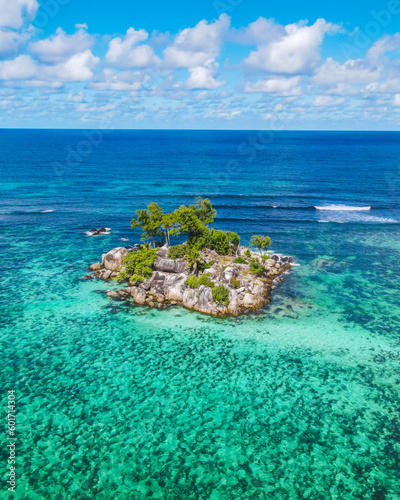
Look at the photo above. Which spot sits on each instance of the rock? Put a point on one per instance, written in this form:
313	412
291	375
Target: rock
233	307
128	290
105	275
173	287
138	295
88	277
190	298
156	283
248	300
173	302
114	258
114	274
113	295
229	273
145	285
149	302
163	252
212	272
170	265
121	293
205	299
95	267
160	298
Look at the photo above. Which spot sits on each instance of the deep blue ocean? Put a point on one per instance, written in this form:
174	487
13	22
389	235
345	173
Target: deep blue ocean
113	401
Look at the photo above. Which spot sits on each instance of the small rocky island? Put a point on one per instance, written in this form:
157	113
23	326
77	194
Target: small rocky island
210	272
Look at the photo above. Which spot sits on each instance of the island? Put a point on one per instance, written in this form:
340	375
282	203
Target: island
210	272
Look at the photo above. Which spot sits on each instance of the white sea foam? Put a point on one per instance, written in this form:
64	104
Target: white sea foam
46	211
343	208
124	239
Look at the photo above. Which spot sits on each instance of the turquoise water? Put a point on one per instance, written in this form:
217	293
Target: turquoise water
122	402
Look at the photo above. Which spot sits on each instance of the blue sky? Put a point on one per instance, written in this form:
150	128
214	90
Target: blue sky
224	64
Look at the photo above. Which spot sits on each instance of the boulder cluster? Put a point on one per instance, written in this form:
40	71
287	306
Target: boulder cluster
167	285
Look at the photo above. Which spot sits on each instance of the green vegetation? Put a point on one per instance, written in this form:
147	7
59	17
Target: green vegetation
193	281
135	279
150	220
235	283
177	252
138	264
262	243
256	267
240	260
247	253
221	295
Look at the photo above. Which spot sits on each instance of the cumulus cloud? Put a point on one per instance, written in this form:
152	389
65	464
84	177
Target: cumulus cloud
202	77
193	47
13	12
126	53
123	81
61	46
20	68
78	68
295	51
11	42
327	101
352	71
276	86
260	32
396	100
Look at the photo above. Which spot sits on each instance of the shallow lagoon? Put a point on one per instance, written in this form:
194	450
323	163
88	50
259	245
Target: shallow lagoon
116	401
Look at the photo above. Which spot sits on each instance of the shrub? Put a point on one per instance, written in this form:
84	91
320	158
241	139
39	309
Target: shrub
240	260
177	252
221	295
218	241
135	280
256	267
206	280
265	257
194	282
138	263
235	283
247	253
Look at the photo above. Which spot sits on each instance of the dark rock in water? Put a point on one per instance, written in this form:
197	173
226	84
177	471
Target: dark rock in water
275	257
102	230
87	277
93	231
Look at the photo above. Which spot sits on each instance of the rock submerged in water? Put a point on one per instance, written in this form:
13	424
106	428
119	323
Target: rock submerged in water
97	232
167	285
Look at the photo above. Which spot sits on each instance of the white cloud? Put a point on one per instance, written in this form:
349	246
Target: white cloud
396	100
13	12
11	41
276	86
123	81
385	44
193	47
327	101
352	71
260	32
296	51
78	68
20	68
126	53
61	46
202	77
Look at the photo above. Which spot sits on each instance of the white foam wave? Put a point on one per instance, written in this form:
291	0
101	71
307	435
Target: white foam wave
46	211
124	239
343	208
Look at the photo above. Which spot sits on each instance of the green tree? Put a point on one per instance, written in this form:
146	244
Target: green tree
167	223
186	221
205	211
150	220
195	262
262	243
